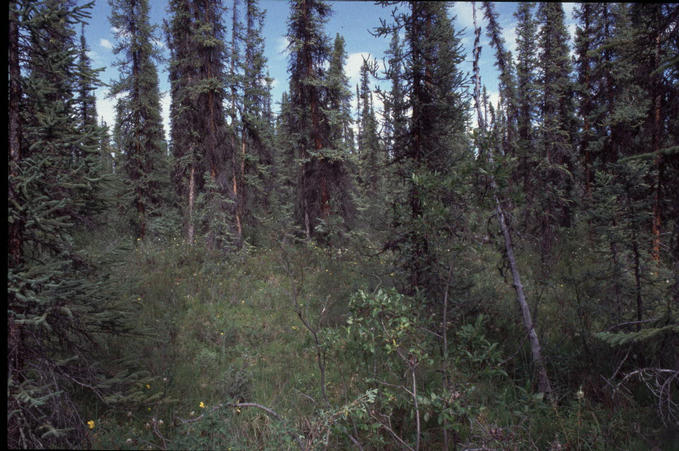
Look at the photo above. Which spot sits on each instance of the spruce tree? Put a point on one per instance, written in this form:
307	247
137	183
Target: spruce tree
285	164
257	133
220	198
507	83
234	84
141	138
526	94
58	310
557	127
592	66
395	105
435	139
338	99
202	143
369	149
656	26
322	179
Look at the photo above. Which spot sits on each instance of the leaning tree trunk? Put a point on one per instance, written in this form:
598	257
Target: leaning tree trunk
544	384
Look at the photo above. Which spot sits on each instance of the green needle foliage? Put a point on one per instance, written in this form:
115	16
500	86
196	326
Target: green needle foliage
59	303
140	137
295	277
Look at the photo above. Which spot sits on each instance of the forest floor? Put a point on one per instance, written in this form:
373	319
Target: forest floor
215	334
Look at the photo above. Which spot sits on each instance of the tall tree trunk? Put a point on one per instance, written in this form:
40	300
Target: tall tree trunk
659	157
14	237
238	194
192	196
15	335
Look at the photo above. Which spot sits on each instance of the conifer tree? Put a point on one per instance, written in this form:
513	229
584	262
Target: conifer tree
322	180
141	138
285	162
507	83
106	149
435	136
592	66
202	143
183	73
395	106
57	311
544	384
87	83
214	137
14	155
234	84
557	124
338	99
656	26
257	134
369	149
526	92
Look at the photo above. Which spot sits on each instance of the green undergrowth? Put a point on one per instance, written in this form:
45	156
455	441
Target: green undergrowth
213	332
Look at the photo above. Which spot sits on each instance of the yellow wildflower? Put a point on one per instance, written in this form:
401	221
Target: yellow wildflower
90	424
201	405
148	387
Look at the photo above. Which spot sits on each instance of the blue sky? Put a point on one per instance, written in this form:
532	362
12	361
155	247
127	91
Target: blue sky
352	19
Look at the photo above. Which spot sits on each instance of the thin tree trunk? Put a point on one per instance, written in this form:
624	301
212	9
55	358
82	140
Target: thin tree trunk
616	280
544	384
658	158
636	262
238	196
412	364
444	363
192	194
15	333
15	240
637	279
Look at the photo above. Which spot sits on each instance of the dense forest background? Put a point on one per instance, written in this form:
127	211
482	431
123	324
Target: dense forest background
449	273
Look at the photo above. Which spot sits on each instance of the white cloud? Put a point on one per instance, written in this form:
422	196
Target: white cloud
105	43
106	108
509	35
352	68
119	33
159	43
493	99
568	9
465	17
165	100
282	44
571	31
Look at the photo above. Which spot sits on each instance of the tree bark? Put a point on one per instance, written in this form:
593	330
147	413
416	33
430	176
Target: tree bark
544	384
192	194
658	158
14	236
